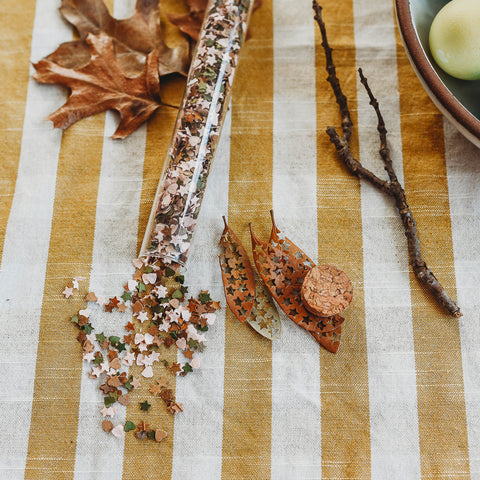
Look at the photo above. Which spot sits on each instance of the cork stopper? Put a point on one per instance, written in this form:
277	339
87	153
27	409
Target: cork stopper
326	290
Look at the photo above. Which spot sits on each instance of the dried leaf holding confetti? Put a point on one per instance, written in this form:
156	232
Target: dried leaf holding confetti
329	340
101	85
283	276
237	274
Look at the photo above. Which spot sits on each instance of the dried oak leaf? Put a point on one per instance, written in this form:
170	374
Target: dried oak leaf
133	37
237	274
101	85
191	23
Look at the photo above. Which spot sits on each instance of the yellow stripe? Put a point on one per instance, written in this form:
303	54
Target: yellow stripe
16	23
344	376
153	460
441	401
54	419
248	357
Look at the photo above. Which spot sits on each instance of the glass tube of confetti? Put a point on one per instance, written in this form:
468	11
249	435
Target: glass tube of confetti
196	132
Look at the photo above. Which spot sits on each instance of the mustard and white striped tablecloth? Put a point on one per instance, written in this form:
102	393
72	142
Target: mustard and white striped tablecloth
401	398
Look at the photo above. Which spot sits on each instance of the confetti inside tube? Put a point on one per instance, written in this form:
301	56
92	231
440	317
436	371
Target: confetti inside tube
197	131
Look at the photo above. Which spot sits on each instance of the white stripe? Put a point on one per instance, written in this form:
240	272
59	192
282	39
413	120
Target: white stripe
198	431
115	245
463	172
296	405
391	361
98	454
26	244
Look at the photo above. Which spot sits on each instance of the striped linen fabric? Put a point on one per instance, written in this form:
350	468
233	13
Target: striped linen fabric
401	398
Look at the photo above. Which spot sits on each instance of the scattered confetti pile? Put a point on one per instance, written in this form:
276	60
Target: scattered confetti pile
162	318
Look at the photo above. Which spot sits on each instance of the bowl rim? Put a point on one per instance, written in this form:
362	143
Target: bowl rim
428	74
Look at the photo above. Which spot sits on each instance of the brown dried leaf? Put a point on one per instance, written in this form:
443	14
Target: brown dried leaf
133	38
101	85
74	54
237	275
196	5
191	23
283	276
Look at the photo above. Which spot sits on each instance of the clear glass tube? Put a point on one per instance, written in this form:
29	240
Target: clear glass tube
197	131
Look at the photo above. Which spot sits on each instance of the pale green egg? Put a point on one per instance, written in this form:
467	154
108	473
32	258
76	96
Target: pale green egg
455	39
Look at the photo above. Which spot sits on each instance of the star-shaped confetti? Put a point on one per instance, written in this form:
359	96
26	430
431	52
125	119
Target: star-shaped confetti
176	368
156	297
68	292
136	382
122	307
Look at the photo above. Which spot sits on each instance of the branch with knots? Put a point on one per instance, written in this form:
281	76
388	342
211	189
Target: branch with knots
391	187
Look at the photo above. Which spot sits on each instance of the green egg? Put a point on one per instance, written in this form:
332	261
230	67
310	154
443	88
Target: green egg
455	39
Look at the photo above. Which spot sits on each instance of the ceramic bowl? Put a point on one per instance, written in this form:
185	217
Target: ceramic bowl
458	100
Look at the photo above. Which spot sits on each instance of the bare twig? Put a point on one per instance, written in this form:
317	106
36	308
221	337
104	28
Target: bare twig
391	187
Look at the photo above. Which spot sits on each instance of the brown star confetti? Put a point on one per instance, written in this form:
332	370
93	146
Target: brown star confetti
162	382
122	307
155	390
113	303
175	368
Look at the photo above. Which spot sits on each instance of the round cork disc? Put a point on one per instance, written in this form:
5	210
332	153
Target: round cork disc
326	290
